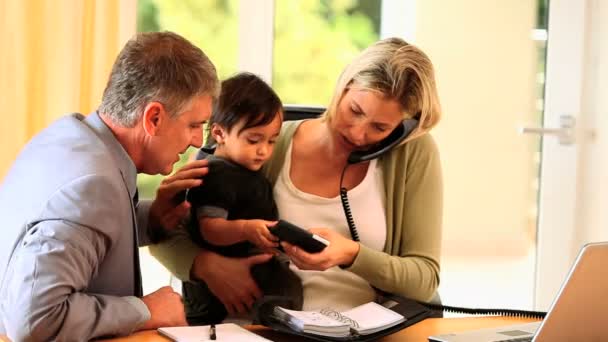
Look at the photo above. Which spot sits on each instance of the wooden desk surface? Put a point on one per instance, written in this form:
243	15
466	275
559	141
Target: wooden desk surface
417	332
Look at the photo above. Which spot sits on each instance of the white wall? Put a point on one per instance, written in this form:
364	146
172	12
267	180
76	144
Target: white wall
486	64
592	211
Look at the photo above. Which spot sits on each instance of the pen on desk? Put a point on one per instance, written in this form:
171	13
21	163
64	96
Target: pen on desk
212	335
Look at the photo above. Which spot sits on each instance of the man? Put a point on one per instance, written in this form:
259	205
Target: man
69	268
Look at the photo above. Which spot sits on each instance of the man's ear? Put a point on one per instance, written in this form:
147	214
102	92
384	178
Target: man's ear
218	133
152	117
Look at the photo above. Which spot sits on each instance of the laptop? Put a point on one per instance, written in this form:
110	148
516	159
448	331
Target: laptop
579	312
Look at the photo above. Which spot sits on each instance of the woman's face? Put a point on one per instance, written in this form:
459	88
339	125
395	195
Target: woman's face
363	118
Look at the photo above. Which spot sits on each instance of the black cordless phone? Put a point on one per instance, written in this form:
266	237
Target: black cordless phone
302	238
401	132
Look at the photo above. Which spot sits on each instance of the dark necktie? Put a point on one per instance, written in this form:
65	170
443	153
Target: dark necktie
136	269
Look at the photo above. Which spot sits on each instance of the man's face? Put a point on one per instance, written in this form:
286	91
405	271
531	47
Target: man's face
176	134
250	148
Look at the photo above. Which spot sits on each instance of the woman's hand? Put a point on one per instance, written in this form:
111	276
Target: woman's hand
341	251
169	208
229	279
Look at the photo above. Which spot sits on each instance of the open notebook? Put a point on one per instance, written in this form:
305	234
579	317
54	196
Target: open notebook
578	313
365	322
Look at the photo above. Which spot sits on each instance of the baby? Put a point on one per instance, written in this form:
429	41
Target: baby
234	209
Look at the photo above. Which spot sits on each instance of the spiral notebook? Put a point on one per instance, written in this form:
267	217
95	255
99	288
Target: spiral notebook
366	322
363	320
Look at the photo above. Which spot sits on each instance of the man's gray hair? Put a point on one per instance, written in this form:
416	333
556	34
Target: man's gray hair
157	66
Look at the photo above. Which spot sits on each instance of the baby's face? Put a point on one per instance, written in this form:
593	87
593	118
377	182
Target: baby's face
252	147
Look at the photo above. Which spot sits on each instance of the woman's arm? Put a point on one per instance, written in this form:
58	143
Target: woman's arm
409	265
177	254
228	278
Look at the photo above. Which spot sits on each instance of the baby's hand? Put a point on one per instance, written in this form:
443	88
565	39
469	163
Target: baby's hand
256	232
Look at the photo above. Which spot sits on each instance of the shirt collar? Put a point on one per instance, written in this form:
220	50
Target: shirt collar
122	158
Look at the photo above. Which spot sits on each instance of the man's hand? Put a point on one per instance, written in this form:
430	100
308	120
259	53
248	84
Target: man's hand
229	279
167	210
166	309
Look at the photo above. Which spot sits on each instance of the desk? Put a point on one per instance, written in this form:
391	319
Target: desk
417	332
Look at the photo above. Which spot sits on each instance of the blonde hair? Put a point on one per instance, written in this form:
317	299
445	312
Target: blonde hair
400	71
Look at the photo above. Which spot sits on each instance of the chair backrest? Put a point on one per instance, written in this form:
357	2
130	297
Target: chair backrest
299	112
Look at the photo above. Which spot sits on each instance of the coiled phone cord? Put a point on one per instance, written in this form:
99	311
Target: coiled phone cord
349	216
479	311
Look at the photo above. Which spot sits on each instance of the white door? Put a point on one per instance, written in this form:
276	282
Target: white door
569	176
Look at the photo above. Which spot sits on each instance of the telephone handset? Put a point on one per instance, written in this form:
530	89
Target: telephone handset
399	134
402	131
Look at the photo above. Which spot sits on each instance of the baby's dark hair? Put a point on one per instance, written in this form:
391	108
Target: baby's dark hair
244	96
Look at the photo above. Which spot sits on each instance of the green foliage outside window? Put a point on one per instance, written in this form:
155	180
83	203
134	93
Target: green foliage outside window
314	41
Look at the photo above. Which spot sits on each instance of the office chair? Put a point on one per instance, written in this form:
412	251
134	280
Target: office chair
299	112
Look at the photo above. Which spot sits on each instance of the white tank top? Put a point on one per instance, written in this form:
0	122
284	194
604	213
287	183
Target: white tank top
335	287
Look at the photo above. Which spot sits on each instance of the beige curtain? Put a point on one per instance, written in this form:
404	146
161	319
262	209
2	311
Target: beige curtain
55	58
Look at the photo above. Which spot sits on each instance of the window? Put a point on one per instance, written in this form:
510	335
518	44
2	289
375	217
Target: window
313	42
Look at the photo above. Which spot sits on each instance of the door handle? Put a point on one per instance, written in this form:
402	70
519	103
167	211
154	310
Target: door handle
565	133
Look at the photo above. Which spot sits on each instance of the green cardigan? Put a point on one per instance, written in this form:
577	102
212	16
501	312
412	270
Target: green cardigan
409	265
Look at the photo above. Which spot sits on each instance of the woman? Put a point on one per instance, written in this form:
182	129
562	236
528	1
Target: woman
396	199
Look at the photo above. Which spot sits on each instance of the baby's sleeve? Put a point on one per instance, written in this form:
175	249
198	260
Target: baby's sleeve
214	197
